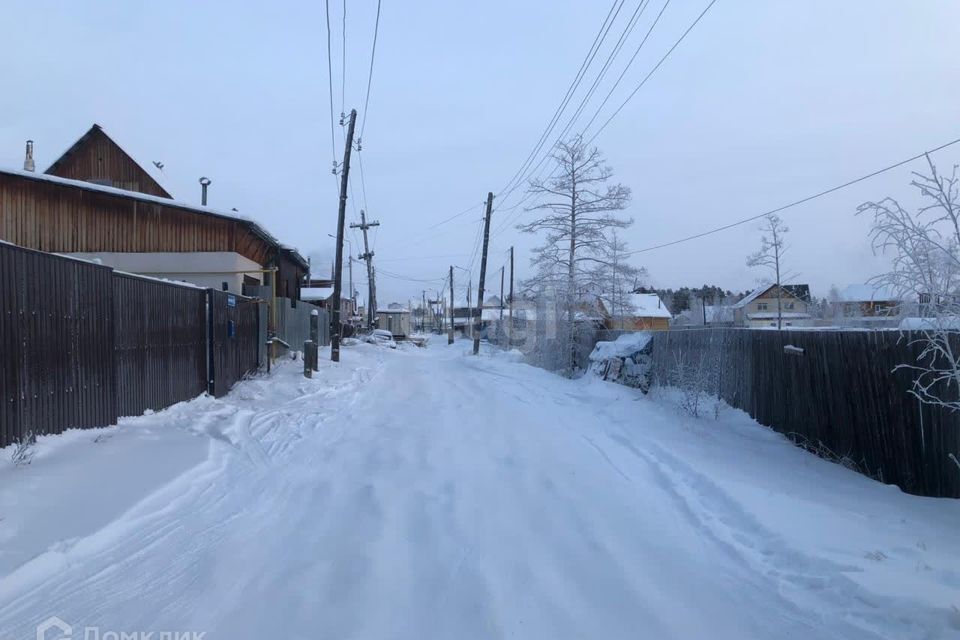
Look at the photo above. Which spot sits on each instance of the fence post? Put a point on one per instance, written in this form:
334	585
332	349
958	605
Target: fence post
315	337
309	358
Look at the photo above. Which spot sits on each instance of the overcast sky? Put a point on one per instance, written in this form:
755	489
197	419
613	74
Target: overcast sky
765	102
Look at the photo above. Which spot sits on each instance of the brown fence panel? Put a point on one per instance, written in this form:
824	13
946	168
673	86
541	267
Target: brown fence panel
56	343
843	391
160	343
234	344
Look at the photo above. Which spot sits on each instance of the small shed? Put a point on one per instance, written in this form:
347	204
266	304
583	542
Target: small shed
396	321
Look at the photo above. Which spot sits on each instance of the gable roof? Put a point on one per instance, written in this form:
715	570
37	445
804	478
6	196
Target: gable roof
867	293
792	290
149	173
648	305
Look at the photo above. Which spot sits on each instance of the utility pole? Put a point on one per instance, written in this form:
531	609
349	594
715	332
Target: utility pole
470	306
501	296
452	307
483	269
510	334
367	255
341	214
353	300
423	311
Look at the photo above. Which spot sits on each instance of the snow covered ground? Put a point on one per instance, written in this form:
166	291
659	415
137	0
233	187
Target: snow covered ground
422	493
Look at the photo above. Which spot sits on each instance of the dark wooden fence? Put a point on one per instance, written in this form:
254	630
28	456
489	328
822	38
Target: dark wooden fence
81	345
56	344
234	348
160	345
835	390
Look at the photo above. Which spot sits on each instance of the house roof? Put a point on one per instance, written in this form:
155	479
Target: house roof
648	305
868	293
311	294
152	171
795	290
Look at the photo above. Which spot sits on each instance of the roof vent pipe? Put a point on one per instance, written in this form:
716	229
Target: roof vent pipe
28	159
204	183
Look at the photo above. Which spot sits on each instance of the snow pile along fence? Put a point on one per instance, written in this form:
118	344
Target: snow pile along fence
82	344
625	360
840	390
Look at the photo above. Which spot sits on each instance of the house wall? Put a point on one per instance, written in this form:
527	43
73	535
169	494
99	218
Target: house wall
638	323
206	269
63	218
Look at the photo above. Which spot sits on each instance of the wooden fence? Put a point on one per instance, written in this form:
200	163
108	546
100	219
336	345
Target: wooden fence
56	344
834	390
81	345
160	345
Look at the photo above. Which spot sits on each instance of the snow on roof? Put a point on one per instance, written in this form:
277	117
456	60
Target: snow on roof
763	288
315	293
867	293
150	169
625	345
401	310
753	295
648	305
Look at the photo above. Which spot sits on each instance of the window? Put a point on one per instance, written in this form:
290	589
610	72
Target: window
762	306
788	305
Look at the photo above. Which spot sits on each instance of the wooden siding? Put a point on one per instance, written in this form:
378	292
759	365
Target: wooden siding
97	158
70	219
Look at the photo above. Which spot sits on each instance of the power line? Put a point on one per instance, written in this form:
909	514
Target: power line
653	70
794	203
571	90
592	90
629	64
343	66
636	89
333	143
373	53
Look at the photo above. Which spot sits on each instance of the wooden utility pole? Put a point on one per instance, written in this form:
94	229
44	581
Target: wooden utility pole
483	269
501	296
510	334
341	214
367	256
470	306
452	307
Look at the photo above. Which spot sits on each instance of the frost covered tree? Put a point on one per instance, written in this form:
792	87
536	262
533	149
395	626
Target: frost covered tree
577	213
925	249
770	255
615	278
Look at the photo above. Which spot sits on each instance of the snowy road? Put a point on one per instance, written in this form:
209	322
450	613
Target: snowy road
424	494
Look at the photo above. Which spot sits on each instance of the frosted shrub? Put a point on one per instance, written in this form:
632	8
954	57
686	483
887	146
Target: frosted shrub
23	450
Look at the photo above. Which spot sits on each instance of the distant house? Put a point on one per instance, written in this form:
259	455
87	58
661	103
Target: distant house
868	301
647	311
759	309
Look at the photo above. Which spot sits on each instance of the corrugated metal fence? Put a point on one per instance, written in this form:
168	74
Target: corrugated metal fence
81	345
833	390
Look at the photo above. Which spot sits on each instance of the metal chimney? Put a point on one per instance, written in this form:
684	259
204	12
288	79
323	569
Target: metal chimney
204	183
28	160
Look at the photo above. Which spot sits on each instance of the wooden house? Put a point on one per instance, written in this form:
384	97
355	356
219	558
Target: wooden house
96	202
